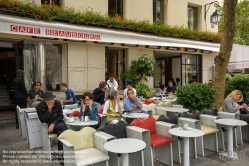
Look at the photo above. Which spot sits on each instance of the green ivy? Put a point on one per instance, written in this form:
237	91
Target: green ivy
195	96
88	17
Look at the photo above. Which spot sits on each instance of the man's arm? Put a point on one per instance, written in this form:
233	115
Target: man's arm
68	101
42	115
60	114
138	103
102	98
23	88
115	85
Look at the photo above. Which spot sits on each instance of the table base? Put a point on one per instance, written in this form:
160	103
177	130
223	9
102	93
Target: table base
125	159
186	151
228	155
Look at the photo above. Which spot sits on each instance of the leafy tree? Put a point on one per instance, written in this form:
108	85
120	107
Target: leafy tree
225	51
139	71
241	23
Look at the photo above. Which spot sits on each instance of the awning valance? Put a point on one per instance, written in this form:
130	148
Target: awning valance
31	27
239	57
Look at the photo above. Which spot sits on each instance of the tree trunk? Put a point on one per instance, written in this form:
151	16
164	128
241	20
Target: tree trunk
225	51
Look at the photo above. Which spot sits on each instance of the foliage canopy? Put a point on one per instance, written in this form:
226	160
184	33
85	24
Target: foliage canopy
241	22
239	82
139	71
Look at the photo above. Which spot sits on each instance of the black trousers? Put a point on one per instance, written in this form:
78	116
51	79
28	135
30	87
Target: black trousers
22	103
58	129
244	115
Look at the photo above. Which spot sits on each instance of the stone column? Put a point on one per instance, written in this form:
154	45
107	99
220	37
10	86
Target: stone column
41	62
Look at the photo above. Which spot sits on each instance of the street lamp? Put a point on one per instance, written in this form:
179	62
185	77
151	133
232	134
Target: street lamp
216	16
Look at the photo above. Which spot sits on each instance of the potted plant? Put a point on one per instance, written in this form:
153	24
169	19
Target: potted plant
138	73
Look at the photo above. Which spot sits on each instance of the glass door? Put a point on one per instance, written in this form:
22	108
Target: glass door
191	68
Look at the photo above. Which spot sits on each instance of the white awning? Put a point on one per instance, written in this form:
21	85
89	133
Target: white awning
26	26
239	57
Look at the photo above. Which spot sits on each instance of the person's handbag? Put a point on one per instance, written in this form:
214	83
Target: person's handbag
244	111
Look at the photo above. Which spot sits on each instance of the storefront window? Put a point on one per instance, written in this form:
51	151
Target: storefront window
158	11
29	61
191	68
53	54
115	7
192	17
53	2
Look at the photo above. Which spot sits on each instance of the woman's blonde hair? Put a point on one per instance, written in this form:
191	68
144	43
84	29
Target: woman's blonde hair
234	93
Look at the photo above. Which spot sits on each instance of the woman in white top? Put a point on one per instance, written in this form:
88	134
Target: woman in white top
113	108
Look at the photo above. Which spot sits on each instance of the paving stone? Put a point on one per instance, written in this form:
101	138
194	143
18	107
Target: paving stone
10	139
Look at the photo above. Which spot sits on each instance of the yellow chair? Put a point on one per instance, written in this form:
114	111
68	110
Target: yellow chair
84	147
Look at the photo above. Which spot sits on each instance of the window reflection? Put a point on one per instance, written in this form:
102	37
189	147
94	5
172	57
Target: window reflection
53	66
192	17
53	2
115	7
191	68
158	11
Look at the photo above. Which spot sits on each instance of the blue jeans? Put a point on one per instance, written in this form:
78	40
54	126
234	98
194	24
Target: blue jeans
58	129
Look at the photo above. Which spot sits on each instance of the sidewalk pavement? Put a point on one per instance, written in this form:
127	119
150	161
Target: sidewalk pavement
11	140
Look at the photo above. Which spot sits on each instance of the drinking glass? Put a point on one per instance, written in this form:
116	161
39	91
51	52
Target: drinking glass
179	126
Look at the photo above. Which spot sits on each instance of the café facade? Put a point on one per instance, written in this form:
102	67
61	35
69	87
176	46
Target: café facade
82	56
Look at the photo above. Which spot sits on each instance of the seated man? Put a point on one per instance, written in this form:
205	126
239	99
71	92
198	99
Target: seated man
132	103
129	86
99	93
50	111
70	97
35	94
171	89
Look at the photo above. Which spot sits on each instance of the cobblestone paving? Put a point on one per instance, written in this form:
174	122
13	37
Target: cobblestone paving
11	140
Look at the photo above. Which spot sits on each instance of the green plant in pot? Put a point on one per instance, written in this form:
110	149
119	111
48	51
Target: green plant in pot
195	96
138	72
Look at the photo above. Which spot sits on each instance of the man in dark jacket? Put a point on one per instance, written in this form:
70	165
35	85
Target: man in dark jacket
50	111
20	92
99	93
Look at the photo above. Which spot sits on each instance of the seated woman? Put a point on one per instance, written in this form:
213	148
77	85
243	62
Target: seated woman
171	89
89	107
160	90
231	105
113	108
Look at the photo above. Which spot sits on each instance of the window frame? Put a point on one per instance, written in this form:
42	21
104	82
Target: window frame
120	8
192	25
162	4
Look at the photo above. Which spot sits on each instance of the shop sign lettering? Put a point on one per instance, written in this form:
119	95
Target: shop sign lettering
53	33
25	29
80	35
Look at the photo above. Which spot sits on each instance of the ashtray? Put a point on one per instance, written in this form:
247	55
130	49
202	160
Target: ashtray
188	129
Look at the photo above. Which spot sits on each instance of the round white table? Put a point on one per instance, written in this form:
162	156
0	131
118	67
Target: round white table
174	109
82	124
186	134
230	123
125	146
135	115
